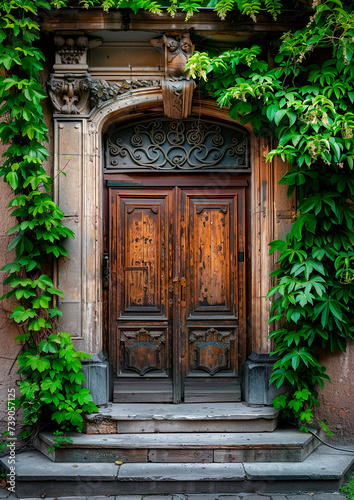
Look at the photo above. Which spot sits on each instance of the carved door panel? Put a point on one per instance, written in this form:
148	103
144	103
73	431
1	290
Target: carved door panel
177	293
140	312
212	319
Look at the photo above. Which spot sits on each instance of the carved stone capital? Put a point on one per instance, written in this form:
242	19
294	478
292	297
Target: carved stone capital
71	50
177	89
69	93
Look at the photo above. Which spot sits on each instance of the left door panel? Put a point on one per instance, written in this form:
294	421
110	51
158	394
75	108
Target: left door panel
140	255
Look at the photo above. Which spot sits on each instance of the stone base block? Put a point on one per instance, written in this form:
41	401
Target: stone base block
256	380
97	379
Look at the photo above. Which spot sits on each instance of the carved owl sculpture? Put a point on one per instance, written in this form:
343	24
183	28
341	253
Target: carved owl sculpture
177	49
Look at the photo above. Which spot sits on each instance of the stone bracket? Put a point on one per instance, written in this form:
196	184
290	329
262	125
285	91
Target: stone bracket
177	98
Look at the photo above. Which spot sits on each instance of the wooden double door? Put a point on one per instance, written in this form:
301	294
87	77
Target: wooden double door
177	292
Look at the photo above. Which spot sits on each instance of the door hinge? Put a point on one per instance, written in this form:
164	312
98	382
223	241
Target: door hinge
106	271
241	256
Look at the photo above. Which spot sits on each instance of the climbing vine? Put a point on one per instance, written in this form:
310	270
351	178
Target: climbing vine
303	98
49	367
307	106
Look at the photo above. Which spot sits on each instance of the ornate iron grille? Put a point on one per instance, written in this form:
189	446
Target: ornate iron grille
178	146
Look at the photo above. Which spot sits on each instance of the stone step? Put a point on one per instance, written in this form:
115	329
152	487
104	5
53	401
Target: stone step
282	445
37	476
187	417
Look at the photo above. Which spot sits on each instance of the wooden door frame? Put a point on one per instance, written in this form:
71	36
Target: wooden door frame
175	181
80	195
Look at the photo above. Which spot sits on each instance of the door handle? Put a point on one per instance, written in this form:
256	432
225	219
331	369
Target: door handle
183	291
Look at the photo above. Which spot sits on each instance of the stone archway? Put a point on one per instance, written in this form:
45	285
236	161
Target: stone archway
78	151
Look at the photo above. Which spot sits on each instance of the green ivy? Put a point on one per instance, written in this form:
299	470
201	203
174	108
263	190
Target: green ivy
306	106
47	362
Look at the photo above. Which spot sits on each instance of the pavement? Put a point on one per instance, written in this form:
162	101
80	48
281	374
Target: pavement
241	496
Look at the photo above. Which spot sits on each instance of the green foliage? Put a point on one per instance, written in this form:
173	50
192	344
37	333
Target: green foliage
307	107
51	378
348	488
49	368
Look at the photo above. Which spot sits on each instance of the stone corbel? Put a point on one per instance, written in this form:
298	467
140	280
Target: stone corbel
177	89
70	94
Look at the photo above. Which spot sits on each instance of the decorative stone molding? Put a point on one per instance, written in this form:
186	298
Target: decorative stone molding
102	91
177	89
74	94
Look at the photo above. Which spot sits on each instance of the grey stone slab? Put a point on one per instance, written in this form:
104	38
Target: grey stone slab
97	381
317	466
159	497
253	497
316	496
32	466
73	498
123	497
181	472
229	497
185	411
329	496
291	438
133	426
180	456
281	445
202	497
279	497
4	493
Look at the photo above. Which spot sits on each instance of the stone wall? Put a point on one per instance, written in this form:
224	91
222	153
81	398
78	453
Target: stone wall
337	399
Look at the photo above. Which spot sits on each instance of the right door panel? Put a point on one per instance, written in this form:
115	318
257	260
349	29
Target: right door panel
212	298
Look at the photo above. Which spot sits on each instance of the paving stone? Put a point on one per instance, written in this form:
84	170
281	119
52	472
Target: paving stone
72	498
4	493
229	497
202	497
255	497
278	497
123	497
327	496
158	497
305	496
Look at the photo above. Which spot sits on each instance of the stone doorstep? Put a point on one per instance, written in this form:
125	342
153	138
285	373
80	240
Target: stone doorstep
186	417
36	474
285	445
183	411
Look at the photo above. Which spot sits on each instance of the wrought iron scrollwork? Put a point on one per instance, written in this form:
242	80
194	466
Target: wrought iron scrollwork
186	145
